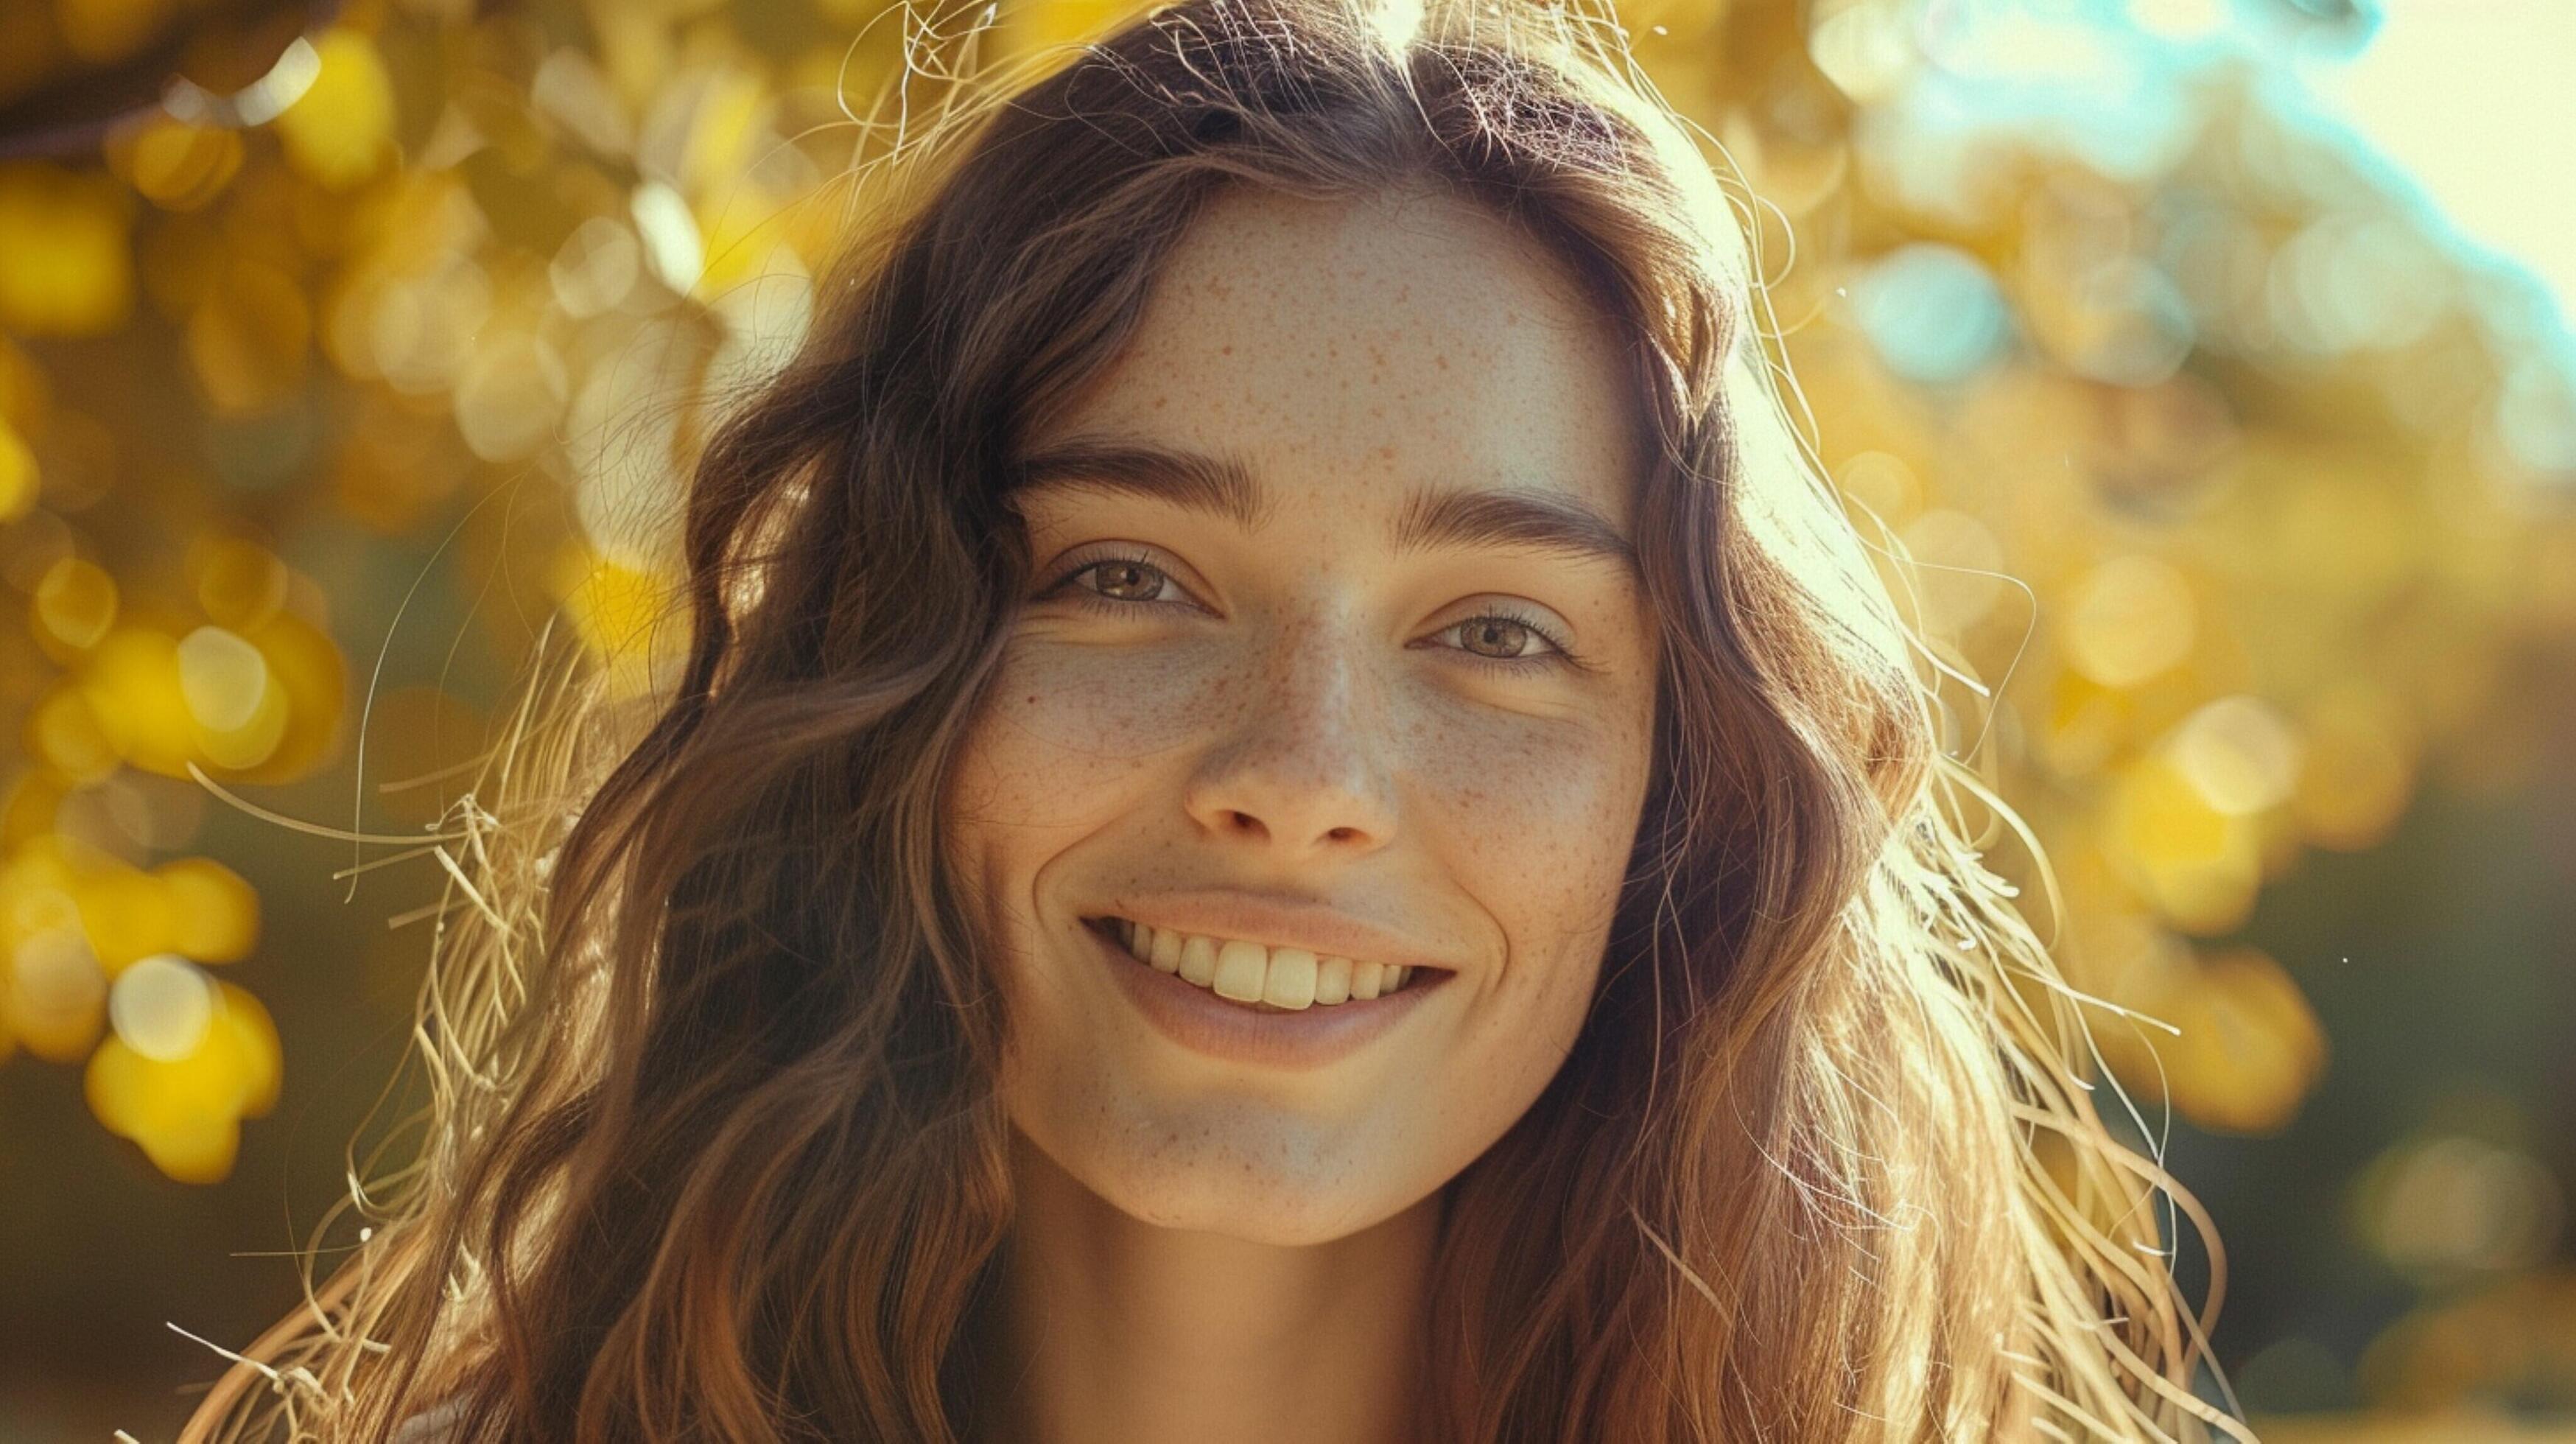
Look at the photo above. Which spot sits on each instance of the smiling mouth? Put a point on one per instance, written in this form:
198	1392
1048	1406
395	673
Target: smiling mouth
1260	978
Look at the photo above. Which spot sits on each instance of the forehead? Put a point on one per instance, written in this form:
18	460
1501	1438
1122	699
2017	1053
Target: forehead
1350	352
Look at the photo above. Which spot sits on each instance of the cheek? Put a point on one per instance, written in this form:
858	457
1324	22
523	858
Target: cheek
1542	817
1064	735
1067	746
1537	816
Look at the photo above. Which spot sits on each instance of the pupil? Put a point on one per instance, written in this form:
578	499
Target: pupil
1488	629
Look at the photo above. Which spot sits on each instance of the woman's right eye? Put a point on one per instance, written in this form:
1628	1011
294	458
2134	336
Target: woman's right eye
1121	581
1125	581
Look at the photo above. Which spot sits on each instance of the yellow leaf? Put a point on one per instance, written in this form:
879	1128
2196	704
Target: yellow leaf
132	683
55	995
127	915
65	267
2250	1048
308	676
340	131
186	1112
215	913
75	605
176	165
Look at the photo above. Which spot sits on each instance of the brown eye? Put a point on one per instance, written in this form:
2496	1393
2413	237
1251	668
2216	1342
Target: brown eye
1126	581
1506	638
1509	644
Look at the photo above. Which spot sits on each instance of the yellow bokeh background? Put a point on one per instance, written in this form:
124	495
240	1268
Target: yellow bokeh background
358	351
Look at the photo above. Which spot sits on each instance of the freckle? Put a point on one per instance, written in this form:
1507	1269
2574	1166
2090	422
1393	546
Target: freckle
1033	699
1225	350
1386	453
1441	361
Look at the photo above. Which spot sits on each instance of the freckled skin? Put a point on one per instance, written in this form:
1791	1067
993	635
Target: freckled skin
1298	709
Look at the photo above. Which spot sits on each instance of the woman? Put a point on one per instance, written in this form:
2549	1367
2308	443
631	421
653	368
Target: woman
1293	816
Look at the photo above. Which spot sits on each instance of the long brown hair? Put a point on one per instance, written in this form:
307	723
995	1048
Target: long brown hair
714	1148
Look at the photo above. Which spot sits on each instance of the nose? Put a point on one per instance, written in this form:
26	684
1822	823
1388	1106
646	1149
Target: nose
1307	770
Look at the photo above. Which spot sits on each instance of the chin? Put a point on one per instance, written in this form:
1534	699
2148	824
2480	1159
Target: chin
1241	1193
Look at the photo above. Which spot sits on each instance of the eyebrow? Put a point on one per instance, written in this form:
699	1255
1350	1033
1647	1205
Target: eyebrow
1431	518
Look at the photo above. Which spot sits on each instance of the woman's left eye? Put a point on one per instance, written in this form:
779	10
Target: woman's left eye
1127	581
1503	630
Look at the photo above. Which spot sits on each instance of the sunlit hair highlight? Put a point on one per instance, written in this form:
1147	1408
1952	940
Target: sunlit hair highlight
713	1148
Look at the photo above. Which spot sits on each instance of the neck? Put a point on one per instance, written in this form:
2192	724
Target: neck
1114	1330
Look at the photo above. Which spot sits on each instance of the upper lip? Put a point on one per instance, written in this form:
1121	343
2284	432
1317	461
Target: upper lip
1278	921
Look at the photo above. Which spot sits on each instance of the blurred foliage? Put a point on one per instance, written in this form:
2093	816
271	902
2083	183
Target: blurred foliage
2252	496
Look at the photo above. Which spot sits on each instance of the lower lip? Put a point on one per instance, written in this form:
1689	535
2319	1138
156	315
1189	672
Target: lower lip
1311	1037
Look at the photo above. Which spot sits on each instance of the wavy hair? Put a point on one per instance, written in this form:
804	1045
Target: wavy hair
714	1148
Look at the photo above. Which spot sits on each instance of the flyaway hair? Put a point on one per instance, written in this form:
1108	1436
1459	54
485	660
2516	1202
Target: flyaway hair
714	1150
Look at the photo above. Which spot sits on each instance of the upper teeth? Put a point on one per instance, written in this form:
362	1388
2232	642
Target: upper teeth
1251	973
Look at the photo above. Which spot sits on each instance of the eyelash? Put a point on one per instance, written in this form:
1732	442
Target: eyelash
1561	656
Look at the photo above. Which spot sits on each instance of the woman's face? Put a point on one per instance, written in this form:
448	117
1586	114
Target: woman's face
1285	676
